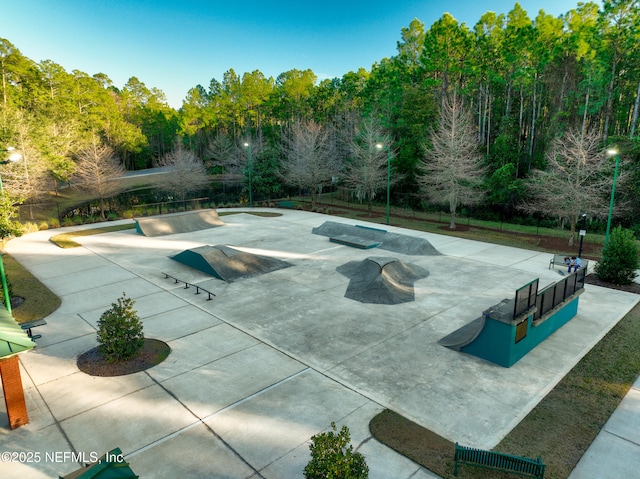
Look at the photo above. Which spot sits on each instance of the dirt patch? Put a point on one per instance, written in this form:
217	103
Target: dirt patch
629	288
152	353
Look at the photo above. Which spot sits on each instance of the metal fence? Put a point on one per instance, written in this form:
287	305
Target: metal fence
556	293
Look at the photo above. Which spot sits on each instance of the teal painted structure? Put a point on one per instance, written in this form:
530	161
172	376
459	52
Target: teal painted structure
506	332
497	342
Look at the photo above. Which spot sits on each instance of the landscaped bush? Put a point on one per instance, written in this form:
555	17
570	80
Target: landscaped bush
120	333
619	258
332	457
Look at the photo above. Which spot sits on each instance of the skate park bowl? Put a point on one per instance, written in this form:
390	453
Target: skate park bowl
509	330
381	280
227	263
365	237
178	223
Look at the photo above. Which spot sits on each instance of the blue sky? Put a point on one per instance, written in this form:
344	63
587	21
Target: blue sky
176	45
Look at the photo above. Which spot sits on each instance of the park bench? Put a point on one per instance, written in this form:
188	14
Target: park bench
522	466
558	260
286	204
27	325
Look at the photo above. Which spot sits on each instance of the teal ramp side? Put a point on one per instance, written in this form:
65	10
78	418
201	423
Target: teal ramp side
196	258
178	223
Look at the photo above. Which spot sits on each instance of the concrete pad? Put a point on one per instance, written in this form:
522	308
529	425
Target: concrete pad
58	360
130	422
195	452
329	358
62	327
203	347
89	279
177	323
30	440
66	396
104	296
230	379
268	426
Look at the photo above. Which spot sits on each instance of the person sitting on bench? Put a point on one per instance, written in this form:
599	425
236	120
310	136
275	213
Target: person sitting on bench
575	263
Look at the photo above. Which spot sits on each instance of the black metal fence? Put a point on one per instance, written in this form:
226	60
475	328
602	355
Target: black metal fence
556	293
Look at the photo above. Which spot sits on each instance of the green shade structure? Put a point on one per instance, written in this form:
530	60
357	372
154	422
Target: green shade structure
13	339
110	466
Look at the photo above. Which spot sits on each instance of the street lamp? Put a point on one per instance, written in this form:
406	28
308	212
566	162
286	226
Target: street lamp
14	156
379	146
248	146
583	232
612	152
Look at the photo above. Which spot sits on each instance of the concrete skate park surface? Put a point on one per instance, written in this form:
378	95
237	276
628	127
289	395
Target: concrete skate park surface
273	359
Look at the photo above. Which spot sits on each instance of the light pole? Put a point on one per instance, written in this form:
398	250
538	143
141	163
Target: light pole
612	152
583	232
249	167
13	157
379	146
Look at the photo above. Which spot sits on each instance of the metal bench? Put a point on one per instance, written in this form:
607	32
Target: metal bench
522	466
27	325
286	204
558	260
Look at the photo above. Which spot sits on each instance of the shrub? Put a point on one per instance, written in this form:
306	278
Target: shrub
332	457
54	223
619	258
120	333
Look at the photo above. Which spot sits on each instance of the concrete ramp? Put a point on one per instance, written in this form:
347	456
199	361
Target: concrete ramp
464	336
395	242
178	223
229	264
381	280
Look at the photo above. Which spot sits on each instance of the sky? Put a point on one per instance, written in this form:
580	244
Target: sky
174	45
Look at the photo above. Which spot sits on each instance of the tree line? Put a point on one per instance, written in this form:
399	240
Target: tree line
539	99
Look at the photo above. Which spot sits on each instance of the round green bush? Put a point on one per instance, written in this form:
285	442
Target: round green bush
332	457
619	258
120	334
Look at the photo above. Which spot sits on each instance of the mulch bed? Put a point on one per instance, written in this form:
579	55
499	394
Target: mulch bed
152	353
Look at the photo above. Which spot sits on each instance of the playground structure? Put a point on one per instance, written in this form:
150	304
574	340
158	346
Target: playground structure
178	223
506	332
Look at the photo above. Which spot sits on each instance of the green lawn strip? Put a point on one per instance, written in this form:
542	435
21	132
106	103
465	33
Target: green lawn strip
65	240
39	301
560	428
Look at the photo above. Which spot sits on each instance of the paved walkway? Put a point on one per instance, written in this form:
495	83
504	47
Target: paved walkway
273	360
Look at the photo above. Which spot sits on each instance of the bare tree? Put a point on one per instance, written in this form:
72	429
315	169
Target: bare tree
452	169
185	173
99	171
578	179
222	156
368	169
310	160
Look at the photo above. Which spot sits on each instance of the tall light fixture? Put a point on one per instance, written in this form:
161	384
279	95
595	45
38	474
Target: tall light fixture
248	146
379	146
612	152
14	156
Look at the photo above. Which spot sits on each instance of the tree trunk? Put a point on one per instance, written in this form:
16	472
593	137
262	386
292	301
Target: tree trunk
634	118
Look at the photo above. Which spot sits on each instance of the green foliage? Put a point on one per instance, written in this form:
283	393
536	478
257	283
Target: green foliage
120	331
332	457
9	226
619	258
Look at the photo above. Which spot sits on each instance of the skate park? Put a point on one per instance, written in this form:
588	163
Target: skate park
273	358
